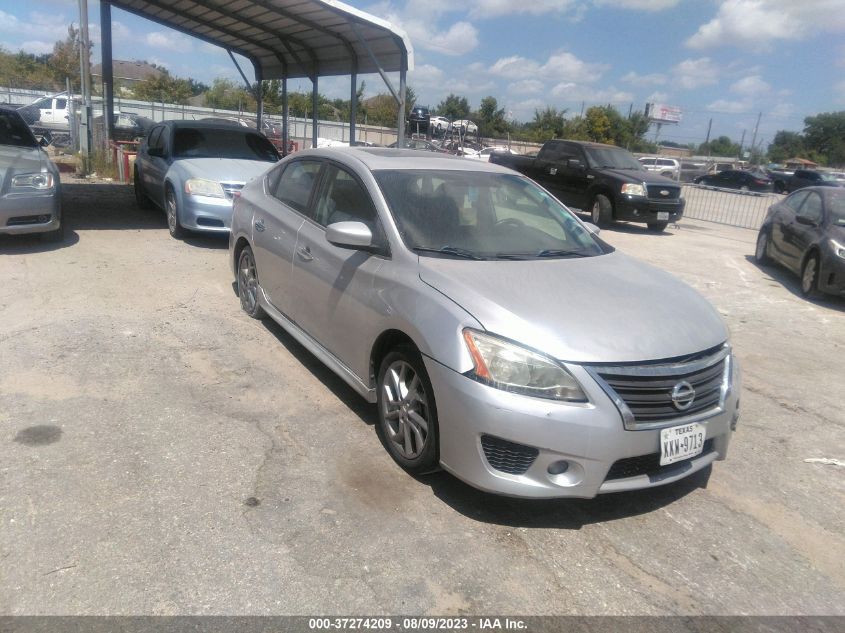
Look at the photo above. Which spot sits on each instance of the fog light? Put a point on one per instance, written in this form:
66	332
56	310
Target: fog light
558	468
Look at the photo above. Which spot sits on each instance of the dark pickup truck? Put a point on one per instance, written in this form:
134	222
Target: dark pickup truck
603	179
786	182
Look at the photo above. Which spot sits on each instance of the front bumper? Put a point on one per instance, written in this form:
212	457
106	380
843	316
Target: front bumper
832	274
30	213
206	214
639	209
590	437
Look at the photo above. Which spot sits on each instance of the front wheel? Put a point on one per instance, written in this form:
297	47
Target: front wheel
248	288
657	227
602	212
172	209
810	277
761	253
407	412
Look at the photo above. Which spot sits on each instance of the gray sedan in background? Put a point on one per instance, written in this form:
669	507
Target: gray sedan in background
500	337
194	169
31	197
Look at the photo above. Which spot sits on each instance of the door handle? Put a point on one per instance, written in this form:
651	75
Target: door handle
259	226
304	253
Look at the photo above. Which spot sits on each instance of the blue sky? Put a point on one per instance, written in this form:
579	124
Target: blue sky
722	59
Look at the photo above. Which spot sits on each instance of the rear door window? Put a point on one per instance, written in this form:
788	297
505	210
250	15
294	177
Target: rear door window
812	208
296	184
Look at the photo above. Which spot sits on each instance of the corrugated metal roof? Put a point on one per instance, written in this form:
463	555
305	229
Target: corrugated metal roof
286	38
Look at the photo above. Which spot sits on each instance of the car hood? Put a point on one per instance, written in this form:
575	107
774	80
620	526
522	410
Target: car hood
224	169
21	160
610	308
630	175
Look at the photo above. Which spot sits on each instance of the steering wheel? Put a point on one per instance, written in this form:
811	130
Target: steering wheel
514	222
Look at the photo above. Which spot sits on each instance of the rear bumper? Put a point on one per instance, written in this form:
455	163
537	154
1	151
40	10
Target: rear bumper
37	213
639	209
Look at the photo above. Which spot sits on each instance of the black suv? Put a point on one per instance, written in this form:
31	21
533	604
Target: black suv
418	120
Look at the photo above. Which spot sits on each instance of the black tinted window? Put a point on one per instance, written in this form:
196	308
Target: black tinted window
794	201
344	199
13	131
296	183
219	143
812	208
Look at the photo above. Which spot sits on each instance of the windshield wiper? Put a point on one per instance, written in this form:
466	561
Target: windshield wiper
449	250
557	252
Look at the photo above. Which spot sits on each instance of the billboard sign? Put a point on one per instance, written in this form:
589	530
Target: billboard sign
660	113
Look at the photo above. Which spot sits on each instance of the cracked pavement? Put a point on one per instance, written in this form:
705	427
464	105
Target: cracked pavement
162	453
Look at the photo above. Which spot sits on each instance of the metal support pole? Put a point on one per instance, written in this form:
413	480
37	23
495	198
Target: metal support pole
85	80
108	69
353	107
259	97
285	117
400	132
315	111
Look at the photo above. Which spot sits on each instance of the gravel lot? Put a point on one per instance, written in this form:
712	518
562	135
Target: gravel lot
164	454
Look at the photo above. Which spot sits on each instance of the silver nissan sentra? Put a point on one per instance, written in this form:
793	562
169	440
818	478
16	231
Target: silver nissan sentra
500	337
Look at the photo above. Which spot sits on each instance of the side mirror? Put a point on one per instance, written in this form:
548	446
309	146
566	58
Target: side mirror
355	235
803	219
592	228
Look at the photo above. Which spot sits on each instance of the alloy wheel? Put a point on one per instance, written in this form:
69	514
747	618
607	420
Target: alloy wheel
247	282
405	409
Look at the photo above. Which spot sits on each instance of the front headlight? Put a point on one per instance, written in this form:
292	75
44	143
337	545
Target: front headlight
40	181
633	190
838	248
203	187
511	367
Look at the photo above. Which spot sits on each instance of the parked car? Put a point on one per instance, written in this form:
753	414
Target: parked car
736	179
668	167
786	182
31	196
50	112
483	318
485	153
805	232
418	120
603	179
417	143
128	126
438	125
271	130
194	169
463	127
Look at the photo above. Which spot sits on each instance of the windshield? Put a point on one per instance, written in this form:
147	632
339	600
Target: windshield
13	131
479	215
836	206
216	143
612	158
828	177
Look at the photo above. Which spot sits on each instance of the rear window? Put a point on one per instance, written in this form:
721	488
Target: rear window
220	143
13	131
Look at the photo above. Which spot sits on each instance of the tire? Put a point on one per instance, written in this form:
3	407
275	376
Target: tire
744	188
761	252
141	198
248	286
171	208
810	277
657	227
407	425
601	213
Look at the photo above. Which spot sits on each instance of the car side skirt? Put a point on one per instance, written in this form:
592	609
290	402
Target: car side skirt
323	355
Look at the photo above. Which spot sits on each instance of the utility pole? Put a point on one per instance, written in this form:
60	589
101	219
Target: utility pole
741	144
85	81
707	140
756	127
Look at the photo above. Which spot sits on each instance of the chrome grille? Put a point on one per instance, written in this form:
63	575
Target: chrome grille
655	192
232	188
643	393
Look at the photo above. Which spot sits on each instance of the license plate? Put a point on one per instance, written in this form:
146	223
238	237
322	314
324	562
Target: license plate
662	215
681	442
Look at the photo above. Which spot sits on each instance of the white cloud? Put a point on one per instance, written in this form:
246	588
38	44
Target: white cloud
787	110
694	73
526	86
36	47
426	76
653	79
459	39
574	92
730	107
45	27
657	97
170	41
756	24
640	5
751	86
559	67
496	8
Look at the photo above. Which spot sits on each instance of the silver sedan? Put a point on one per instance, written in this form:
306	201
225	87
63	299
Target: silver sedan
500	337
31	197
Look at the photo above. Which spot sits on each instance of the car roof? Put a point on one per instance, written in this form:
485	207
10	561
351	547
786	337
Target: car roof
203	123
382	158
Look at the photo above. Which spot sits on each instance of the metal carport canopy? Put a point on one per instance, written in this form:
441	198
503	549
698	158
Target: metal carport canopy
286	39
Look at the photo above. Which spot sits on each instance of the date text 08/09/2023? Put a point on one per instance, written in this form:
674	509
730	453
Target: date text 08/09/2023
416	624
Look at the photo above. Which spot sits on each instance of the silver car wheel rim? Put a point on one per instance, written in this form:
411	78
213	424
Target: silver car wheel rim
404	409
596	212
171	212
761	246
809	276
247	283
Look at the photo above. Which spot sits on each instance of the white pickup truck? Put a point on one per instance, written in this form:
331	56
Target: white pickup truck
49	112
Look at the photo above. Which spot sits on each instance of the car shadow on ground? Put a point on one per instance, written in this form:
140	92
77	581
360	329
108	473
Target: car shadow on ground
792	283
627	227
106	206
568	514
33	243
211	241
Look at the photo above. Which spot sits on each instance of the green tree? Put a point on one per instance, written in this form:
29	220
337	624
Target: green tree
225	94
548	123
824	135
597	125
64	61
722	146
23	70
453	107
490	118
786	145
163	87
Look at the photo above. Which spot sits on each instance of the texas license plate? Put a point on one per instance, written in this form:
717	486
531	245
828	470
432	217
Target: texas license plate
662	215
681	442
